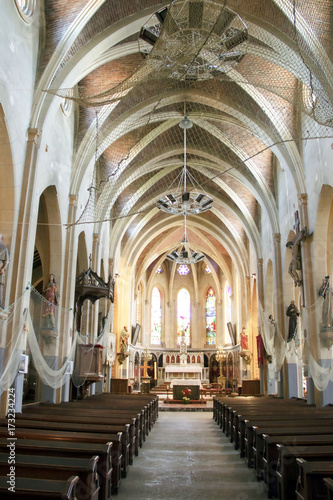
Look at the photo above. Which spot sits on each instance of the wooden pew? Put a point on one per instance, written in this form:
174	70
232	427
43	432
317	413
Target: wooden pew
72	450
270	457
106	431
284	471
38	488
256	452
57	468
78	437
329	485
85	423
310	482
98	411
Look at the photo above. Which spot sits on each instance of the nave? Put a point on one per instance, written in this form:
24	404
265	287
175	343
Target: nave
188	457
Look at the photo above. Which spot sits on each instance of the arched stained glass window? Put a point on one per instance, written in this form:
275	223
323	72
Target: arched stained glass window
183	316
156	316
211	317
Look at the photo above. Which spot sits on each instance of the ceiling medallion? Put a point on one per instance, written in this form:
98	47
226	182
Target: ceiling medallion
198	40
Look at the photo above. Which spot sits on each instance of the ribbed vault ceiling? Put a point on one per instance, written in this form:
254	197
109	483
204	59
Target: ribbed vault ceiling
245	116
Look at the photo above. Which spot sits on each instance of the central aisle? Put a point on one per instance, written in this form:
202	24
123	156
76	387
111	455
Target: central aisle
186	456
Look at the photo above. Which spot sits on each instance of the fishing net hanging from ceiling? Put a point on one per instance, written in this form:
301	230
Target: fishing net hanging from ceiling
244	90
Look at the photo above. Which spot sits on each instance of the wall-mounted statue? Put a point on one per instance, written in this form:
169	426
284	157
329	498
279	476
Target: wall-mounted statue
325	292
51	294
292	313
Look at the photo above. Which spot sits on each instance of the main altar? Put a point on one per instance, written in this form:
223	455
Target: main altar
182	370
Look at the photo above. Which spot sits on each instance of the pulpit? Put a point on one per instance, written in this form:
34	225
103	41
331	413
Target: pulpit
89	362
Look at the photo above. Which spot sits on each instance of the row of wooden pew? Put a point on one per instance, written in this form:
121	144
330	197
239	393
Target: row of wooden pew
288	443
77	450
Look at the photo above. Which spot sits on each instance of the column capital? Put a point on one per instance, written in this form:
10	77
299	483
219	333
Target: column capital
34	135
260	262
96	237
277	237
303	199
73	200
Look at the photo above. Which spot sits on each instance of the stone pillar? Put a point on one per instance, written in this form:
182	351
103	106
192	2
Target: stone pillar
260	289
23	237
309	296
68	293
282	387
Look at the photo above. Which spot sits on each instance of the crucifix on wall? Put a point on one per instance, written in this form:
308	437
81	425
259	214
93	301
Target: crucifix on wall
295	267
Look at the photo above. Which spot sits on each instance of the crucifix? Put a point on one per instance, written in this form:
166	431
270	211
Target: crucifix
145	367
295	266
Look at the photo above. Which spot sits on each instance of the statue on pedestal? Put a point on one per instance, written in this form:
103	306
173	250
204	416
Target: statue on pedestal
327	314
292	313
51	295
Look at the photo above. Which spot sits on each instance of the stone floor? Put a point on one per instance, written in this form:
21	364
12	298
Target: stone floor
186	456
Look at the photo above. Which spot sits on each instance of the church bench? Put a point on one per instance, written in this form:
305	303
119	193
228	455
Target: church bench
40	488
86	421
76	437
310	482
99	408
247	427
255	452
283	473
240	420
107	431
72	450
270	455
329	485
57	468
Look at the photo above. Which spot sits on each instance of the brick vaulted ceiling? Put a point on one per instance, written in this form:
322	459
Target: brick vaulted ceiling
243	97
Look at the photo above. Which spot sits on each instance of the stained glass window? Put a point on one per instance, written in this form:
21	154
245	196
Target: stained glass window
211	317
183	316
183	269
207	270
159	270
156	316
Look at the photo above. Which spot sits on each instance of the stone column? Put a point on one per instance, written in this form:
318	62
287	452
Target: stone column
260	289
68	293
279	307
314	396
23	238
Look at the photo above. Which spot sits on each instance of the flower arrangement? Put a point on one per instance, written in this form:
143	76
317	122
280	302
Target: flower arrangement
186	393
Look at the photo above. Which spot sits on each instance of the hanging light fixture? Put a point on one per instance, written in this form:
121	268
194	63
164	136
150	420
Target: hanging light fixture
186	255
183	202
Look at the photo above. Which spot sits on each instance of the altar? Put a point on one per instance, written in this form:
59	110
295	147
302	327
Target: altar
186	372
179	385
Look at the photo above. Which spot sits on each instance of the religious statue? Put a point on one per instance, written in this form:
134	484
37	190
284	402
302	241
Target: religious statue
244	341
4	261
51	294
295	266
124	340
327	313
292	313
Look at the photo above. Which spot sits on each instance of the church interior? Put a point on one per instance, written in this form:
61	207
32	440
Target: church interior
166	200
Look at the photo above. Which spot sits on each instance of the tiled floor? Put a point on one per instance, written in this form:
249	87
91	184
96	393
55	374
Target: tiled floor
186	456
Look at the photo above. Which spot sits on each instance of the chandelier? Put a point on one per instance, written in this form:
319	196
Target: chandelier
183	202
186	255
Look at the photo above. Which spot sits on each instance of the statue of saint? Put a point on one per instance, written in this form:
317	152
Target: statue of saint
51	294
244	341
292	313
124	340
327	313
